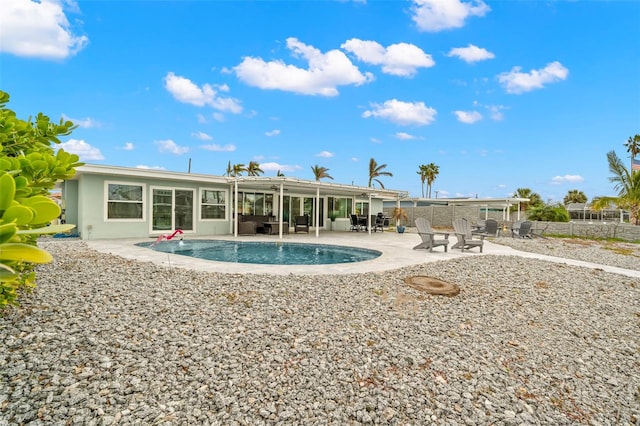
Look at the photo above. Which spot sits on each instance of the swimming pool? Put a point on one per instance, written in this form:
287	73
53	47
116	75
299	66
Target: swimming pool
265	253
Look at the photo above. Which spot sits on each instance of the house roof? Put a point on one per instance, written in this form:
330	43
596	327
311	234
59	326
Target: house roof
246	183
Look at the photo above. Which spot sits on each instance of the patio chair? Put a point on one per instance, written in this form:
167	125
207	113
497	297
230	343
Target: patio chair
428	235
479	227
465	238
491	228
301	224
523	231
247	228
379	223
515	227
538	231
356	223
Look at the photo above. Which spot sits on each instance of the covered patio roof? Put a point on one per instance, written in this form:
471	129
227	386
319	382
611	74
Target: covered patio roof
310	187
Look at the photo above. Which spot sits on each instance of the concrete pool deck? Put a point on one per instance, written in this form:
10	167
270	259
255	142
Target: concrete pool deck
397	252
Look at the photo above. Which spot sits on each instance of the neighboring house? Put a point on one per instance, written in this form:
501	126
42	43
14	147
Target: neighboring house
119	202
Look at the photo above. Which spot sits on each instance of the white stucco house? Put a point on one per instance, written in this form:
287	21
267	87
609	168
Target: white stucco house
119	202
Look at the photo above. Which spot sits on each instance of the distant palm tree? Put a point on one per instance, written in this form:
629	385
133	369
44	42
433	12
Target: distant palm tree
575	196
253	169
321	172
375	171
534	198
422	171
633	147
229	169
238	169
627	183
431	172
279	173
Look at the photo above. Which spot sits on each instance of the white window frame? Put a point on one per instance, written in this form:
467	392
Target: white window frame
173	190
201	190
142	202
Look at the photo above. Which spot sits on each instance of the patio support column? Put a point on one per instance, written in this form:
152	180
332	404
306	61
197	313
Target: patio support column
518	217
317	211
280	208
369	215
235	207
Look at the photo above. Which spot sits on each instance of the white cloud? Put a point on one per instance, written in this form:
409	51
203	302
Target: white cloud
39	29
438	15
85	151
274	132
202	136
468	117
325	154
274	167
218	117
471	53
186	91
84	123
171	147
517	82
219	148
403	113
401	59
404	136
495	112
201	118
375	140
355	159
557	180
325	73
128	146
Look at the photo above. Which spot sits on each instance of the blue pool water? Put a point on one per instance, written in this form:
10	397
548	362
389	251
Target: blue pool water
266	253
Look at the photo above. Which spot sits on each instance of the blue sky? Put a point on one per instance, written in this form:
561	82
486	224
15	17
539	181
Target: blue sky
500	95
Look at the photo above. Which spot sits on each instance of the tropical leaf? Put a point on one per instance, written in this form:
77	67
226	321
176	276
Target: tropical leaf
24	253
53	229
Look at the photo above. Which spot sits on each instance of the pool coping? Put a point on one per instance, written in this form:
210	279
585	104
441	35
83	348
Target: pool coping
397	252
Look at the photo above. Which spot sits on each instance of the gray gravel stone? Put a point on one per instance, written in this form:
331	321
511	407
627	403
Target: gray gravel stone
103	340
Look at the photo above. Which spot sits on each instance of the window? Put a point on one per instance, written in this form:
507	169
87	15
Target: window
124	201
340	206
213	204
362	208
257	203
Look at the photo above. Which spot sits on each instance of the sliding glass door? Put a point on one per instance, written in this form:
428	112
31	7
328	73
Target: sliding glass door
172	209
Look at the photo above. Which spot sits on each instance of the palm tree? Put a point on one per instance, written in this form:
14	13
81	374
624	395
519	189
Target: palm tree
321	172
253	169
229	169
628	186
279	173
575	196
431	172
422	171
534	198
238	169
375	171
633	147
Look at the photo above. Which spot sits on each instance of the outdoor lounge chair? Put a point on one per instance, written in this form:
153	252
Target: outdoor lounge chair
355	223
479	227
379	223
466	239
523	231
538	230
491	228
247	228
428	235
301	224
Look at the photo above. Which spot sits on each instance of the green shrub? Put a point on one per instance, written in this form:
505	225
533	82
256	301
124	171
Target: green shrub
549	213
29	169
